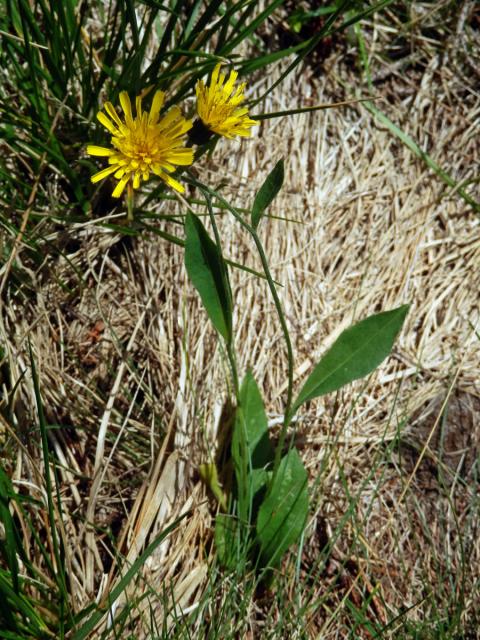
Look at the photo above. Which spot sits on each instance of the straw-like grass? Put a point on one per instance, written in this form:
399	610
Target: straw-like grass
130	368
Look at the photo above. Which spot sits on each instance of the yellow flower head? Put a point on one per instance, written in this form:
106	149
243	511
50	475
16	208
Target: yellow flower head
219	105
144	144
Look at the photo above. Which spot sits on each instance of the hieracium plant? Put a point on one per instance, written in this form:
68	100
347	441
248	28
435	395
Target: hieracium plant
264	507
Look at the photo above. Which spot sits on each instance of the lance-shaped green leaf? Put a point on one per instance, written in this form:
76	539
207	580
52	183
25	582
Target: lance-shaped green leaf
283	514
251	447
267	193
208	272
251	426
355	353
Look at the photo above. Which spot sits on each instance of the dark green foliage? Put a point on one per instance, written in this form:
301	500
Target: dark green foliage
252	452
283	514
267	193
208	273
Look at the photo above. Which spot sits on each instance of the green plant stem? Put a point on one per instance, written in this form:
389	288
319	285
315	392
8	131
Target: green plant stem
287	414
130	202
233	366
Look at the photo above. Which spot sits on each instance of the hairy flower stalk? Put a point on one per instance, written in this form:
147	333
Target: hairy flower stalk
142	145
219	106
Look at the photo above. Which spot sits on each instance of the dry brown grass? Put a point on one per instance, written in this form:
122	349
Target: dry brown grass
131	369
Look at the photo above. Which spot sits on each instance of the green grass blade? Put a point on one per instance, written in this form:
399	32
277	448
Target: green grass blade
19	603
10	543
311	44
250	28
85	630
60	571
414	147
318	107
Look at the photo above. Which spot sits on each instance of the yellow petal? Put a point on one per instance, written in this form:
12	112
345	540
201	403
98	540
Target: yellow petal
121	171
157	104
173	128
119	189
165	164
215	73
110	109
170	117
127	107
103	173
231	81
221	82
119	159
157	170
173	183
180	156
93	150
242	111
138	105
107	123
199	88
240	89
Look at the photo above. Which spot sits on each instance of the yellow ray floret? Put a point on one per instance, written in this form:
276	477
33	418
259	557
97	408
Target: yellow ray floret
219	105
144	144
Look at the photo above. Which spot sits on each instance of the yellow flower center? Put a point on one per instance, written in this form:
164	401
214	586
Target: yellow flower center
140	147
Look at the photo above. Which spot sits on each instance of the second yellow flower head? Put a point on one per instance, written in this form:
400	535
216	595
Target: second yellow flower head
219	105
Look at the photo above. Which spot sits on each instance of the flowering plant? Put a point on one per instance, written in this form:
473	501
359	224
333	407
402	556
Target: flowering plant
267	507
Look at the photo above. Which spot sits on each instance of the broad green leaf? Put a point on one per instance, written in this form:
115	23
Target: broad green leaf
251	447
258	481
251	426
355	353
267	193
283	514
208	272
